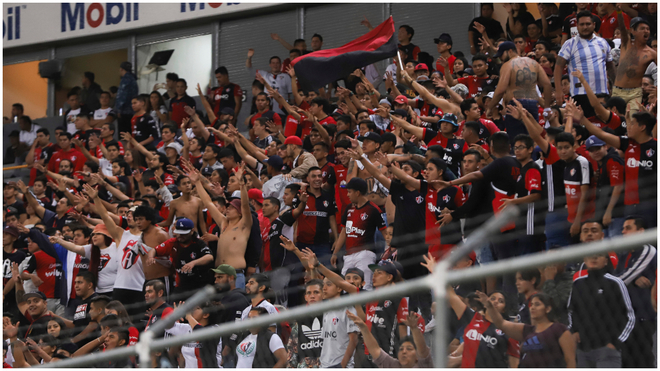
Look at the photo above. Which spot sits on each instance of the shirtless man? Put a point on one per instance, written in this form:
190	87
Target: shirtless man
186	206
235	226
636	56
519	77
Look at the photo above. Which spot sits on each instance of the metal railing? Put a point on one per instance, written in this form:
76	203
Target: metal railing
437	282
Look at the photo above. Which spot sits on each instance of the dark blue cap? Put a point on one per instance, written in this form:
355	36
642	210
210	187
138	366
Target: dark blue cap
593	141
385	266
275	161
183	226
507	45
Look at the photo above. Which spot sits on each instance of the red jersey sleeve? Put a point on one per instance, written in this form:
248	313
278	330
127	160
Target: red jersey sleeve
133	335
492	128
615	170
460	198
417	50
165	248
614	122
402	312
169	180
121	148
533	181
513	348
237	91
551	157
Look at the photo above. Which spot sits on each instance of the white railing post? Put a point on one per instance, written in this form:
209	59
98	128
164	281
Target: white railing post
143	349
439	282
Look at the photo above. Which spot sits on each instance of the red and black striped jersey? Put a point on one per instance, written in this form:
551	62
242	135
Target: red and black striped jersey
314	223
361	224
529	183
502	174
576	174
641	170
484	344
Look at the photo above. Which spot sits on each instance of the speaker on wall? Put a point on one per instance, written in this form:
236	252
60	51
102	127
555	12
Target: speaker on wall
50	69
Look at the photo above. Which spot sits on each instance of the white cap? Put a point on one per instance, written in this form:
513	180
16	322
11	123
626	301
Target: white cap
178	147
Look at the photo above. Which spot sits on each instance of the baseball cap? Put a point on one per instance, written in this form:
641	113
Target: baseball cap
507	45
36	294
275	161
490	95
593	141
388	137
385	101
207	170
450	118
385	266
10	229
637	20
401	112
132	209
225	269
178	147
461	90
401	99
236	204
11	211
371	136
227	111
256	194
445	38
347	132
357	184
421	67
294	140
398	267
183	226
357	271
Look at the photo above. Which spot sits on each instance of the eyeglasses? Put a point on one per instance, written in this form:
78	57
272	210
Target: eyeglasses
520	148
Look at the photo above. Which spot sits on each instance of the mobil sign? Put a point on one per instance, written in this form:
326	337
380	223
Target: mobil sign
59	21
78	16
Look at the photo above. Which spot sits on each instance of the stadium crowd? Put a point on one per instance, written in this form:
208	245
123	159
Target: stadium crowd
143	199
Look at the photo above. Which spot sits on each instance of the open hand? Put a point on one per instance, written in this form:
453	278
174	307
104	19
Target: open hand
429	262
287	244
250	53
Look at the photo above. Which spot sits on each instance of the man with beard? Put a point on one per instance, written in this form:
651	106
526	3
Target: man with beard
257	287
635	58
154	295
519	77
232	302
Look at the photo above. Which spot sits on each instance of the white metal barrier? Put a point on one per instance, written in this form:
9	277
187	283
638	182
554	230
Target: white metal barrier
438	281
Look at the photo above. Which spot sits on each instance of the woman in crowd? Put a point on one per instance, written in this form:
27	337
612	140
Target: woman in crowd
527	283
413	351
460	64
544	343
156	108
503	350
32	218
57	329
117	308
261	348
102	254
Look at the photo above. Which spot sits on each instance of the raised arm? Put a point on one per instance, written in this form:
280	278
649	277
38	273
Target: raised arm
502	85
414	130
127	137
195	177
69	245
559	70
403	177
601	112
625	37
277	38
375	172
533	128
207	105
370	341
116	232
329	274
78	143
32	201
246	215
515	330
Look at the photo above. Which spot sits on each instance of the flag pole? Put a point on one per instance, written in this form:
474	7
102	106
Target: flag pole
398	54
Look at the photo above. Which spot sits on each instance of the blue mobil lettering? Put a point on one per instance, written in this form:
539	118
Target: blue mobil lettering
76	16
11	24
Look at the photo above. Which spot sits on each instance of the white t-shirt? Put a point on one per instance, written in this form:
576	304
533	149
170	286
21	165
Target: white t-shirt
190	356
108	270
280	82
102	113
336	327
130	275
71	121
162	110
264	304
9	359
28	137
105	166
247	348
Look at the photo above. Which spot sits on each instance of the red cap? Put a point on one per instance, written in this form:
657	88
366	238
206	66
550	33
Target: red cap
421	66
256	194
401	99
293	140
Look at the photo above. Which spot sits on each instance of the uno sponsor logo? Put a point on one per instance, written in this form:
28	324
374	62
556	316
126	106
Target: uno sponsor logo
634	163
76	16
11	24
476	336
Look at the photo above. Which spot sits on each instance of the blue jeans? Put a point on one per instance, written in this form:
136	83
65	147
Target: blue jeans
240	281
615	228
557	229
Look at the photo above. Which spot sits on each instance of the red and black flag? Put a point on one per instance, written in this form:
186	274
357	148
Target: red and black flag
315	70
